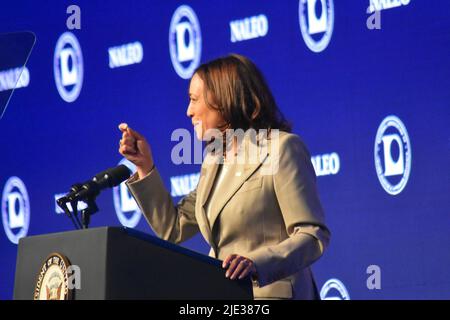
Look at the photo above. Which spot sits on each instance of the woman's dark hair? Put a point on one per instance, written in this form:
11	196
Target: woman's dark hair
236	88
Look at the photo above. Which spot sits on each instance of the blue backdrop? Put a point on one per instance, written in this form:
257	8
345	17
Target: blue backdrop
368	92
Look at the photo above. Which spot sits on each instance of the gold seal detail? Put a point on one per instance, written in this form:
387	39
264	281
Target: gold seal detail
52	281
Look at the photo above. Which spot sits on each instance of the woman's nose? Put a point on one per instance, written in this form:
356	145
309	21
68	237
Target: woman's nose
189	111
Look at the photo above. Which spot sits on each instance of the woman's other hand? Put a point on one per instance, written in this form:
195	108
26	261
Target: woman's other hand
238	267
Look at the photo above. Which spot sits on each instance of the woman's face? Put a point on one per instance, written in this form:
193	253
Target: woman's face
203	117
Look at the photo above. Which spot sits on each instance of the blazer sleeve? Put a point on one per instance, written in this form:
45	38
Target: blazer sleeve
174	223
296	192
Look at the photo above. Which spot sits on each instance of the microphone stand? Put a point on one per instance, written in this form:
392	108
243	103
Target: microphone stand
74	204
63	205
90	210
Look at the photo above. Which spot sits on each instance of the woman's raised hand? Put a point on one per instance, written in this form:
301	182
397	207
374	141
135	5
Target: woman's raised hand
136	149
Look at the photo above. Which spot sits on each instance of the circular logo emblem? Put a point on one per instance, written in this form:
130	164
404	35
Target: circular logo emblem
68	67
316	23
392	155
185	41
126	208
15	209
53	281
334	289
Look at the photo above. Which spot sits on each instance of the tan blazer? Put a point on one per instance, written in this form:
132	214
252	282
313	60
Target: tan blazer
276	220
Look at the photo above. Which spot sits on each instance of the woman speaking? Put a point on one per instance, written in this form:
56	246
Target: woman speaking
267	224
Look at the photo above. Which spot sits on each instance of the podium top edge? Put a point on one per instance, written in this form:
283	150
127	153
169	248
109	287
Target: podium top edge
138	235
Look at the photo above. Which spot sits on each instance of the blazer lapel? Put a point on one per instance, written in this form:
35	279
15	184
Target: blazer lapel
237	174
208	174
231	183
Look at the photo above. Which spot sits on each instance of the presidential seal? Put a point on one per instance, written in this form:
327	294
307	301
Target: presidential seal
52	281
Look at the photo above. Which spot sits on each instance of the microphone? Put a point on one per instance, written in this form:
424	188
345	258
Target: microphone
89	190
76	187
106	179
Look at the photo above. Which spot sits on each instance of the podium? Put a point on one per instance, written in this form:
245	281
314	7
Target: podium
122	263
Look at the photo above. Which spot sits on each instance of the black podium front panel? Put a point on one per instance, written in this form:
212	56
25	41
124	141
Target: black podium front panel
120	263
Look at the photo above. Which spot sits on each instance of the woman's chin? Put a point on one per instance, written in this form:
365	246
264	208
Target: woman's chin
198	133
